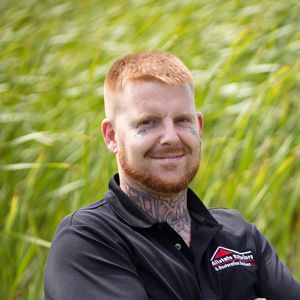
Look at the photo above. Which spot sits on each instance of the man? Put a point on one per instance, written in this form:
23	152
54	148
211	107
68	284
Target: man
151	237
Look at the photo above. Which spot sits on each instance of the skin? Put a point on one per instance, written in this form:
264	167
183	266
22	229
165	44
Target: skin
172	210
156	135
150	133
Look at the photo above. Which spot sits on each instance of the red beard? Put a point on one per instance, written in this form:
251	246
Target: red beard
154	182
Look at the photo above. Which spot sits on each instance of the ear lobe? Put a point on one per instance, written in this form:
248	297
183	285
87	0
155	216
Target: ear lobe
201	124
109	135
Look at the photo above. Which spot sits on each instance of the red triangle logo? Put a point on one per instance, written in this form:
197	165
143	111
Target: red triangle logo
222	252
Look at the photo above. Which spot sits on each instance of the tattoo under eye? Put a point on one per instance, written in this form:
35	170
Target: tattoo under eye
144	126
193	131
141	132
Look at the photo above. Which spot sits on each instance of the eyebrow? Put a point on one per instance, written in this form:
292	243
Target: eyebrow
186	116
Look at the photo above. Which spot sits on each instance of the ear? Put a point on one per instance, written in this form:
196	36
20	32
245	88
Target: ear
200	121
109	135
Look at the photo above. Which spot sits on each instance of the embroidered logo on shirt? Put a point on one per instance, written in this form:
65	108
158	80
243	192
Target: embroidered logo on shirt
224	258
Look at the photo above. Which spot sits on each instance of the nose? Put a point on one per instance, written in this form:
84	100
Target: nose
169	135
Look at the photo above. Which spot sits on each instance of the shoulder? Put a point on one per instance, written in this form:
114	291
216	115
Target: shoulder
95	215
232	221
227	215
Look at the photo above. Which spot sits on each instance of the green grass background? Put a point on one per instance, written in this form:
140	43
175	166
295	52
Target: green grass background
244	56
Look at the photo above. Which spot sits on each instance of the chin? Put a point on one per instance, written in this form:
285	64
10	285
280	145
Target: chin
159	179
159	184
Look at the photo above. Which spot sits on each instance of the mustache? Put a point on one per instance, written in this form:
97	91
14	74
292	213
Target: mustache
167	151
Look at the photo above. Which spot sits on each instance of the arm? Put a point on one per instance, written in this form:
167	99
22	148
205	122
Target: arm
83	266
275	280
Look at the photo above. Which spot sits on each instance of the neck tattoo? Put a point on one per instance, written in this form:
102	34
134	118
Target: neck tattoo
172	209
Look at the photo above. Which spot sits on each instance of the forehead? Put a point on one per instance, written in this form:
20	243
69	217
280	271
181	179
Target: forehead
141	96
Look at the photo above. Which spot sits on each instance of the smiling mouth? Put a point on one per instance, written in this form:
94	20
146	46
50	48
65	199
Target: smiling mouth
169	157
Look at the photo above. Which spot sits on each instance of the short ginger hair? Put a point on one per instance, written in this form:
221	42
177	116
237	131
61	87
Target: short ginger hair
149	65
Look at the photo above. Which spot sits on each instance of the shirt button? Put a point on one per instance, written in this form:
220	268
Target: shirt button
178	246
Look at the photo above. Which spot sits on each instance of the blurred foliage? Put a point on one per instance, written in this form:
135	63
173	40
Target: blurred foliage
54	55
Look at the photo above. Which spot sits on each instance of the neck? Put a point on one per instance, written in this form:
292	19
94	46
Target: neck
171	209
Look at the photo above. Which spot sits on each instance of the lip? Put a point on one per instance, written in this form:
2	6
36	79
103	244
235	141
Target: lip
170	158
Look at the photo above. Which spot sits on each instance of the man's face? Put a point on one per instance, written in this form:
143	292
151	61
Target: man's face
157	136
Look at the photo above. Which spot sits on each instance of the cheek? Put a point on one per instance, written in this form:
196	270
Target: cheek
192	142
136	145
190	136
144	138
194	132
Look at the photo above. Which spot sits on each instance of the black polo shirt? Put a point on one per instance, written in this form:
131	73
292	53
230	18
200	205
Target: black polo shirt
113	250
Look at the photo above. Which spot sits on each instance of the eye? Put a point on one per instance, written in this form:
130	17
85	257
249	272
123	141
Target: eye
183	120
146	122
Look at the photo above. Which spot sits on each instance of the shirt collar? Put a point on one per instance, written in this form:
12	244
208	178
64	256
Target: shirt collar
134	216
